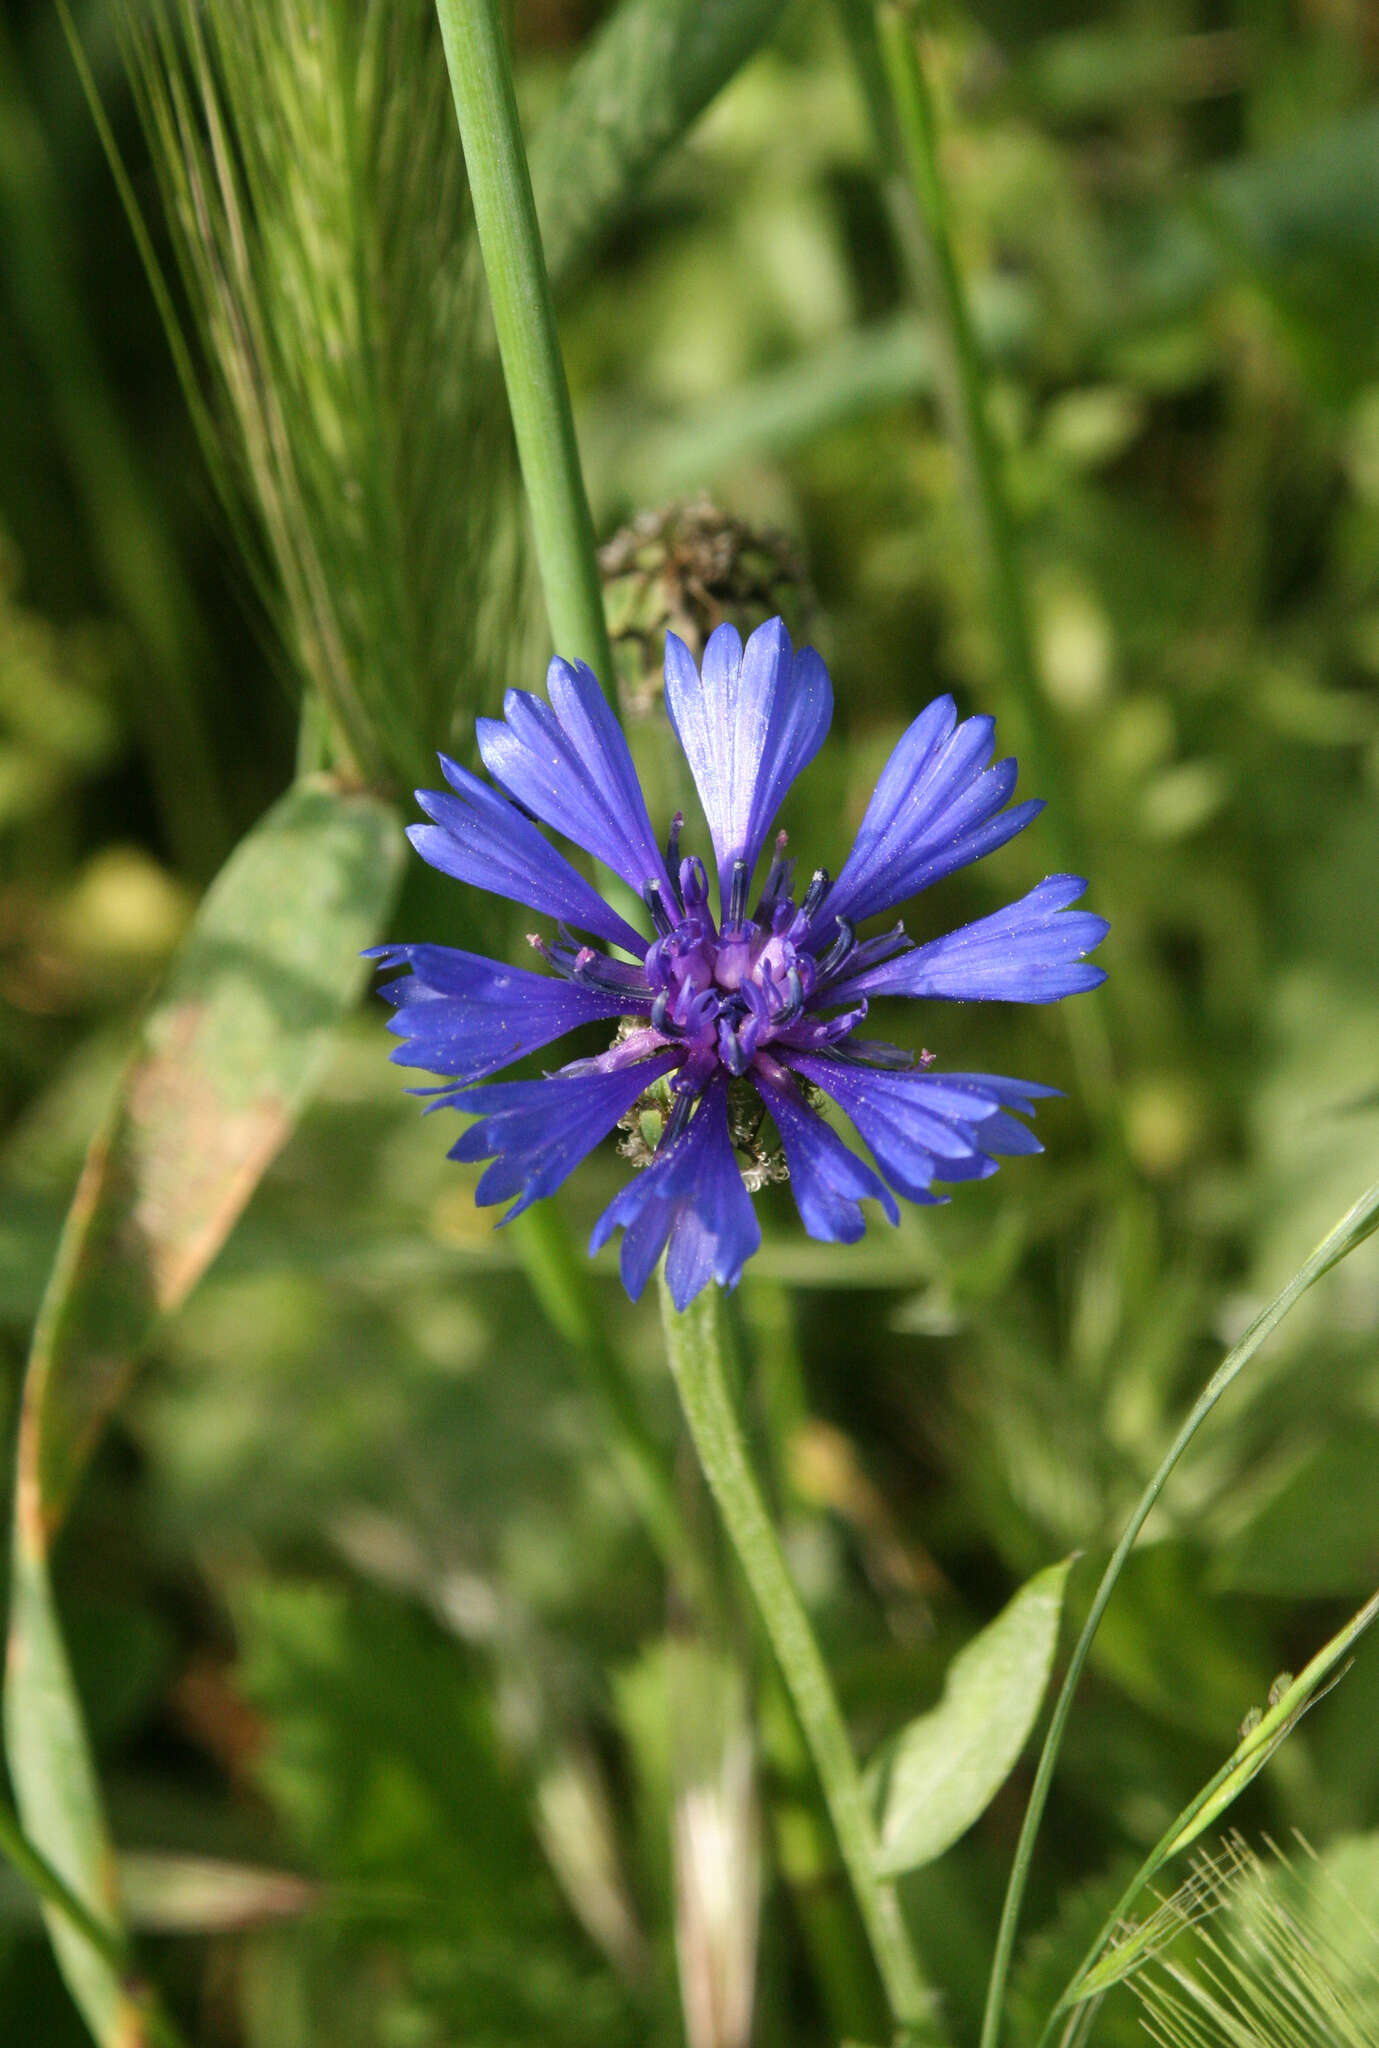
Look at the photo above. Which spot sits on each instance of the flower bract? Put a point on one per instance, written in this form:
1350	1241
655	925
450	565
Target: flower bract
736	1010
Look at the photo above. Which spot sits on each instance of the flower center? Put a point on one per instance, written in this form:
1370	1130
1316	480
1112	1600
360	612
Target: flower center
728	990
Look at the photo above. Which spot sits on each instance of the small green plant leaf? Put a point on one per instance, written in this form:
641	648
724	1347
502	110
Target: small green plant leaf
226	1057
942	1771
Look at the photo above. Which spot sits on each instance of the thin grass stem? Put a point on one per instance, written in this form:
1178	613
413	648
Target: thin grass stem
694	1344
882	35
524	316
962	378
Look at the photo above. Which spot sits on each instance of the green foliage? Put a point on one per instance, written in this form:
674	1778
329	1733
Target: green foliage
312	180
365	1589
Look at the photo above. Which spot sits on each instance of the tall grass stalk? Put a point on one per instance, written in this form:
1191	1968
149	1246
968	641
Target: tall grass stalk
48	1884
524	315
884	37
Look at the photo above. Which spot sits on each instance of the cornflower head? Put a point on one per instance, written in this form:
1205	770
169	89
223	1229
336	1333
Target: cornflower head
723	1020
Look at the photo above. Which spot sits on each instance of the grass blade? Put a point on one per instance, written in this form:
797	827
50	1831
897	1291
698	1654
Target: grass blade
1102	1968
643	80
1360	1221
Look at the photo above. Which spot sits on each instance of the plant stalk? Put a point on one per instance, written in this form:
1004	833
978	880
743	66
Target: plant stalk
476	55
695	1348
883	38
909	139
524	317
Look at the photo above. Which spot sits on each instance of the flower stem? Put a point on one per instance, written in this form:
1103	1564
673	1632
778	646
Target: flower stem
695	1347
559	1276
109	1944
524	317
539	399
1358	1223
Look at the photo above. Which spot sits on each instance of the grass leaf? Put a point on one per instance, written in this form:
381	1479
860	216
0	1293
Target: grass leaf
642	81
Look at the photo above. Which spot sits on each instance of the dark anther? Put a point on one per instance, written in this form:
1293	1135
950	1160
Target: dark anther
731	1050
872	1052
840	948
815	893
737	893
673	843
795	988
777	880
660	916
676	1121
659	1009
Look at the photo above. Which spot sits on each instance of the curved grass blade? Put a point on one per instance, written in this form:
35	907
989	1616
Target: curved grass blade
945	1768
642	81
1101	1968
1360	1221
226	1058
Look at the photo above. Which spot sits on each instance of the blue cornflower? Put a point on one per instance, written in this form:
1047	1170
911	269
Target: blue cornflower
724	1021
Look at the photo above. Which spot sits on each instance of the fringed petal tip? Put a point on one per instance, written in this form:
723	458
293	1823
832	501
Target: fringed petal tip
1032	951
749	724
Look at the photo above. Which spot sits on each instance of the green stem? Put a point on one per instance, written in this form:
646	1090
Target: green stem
109	1944
523	315
539	399
882	35
910	140
1357	1224
560	1280
694	1345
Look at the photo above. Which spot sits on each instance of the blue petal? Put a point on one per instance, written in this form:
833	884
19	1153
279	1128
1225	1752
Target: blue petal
827	1180
693	1198
479	837
937	806
927	1127
748	728
1033	951
466	1016
537	1132
568	762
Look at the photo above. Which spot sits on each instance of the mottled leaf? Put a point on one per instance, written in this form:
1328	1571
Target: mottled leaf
942	1771
226	1057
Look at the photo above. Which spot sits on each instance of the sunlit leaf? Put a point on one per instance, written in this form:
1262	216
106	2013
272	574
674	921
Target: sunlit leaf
944	1769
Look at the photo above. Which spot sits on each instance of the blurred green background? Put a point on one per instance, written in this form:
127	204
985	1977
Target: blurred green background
354	1591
